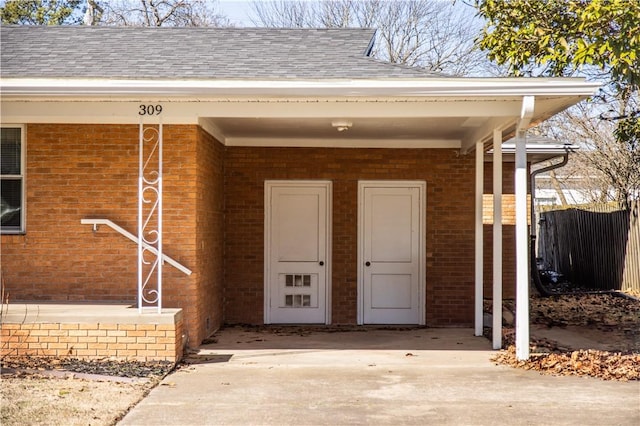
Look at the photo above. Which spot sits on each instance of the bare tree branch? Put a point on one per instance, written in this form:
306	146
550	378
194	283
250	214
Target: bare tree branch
430	34
156	13
606	168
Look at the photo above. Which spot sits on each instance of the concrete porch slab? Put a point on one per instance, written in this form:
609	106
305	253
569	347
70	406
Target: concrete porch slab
49	312
347	337
382	377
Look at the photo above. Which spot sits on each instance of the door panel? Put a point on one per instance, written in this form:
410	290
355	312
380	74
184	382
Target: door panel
391	255
391	291
392	220
297	214
296	252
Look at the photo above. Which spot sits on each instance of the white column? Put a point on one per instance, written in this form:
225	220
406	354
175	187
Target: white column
140	212
160	235
497	239
150	256
522	236
479	252
522	250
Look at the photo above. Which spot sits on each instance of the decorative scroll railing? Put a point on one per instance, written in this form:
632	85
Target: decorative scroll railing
150	217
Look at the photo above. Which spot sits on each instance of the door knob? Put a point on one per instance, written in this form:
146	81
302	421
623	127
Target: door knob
367	263
321	263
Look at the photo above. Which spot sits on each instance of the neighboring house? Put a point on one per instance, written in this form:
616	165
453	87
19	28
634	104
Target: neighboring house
540	152
303	181
564	190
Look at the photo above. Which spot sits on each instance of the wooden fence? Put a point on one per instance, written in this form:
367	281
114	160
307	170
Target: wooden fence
595	250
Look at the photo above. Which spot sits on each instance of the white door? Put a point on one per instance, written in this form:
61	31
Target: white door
391	266
297	225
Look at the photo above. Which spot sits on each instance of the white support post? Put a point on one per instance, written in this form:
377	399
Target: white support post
150	255
522	235
479	252
140	214
522	251
160	234
497	239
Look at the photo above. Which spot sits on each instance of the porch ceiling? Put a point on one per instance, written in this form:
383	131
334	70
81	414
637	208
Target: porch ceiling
451	122
404	128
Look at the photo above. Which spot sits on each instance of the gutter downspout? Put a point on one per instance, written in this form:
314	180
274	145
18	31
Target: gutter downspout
532	231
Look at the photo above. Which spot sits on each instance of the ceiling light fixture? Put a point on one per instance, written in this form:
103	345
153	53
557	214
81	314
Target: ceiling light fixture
342	125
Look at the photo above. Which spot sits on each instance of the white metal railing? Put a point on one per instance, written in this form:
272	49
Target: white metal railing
150	215
129	235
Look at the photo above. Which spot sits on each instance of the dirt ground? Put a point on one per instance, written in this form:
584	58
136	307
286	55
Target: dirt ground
53	396
69	391
33	399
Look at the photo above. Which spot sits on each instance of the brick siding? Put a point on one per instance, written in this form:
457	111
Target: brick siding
449	228
209	233
214	222
142	342
83	171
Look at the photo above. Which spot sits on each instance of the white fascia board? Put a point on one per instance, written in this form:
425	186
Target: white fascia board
422	87
187	111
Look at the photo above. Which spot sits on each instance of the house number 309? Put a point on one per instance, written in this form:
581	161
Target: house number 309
150	110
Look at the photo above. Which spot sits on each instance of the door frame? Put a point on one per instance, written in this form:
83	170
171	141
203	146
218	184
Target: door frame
422	280
268	185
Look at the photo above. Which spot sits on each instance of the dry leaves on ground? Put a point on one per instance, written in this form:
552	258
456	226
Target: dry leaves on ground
105	367
615	314
599	310
601	364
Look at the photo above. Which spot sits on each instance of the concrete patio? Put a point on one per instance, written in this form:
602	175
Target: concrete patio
372	376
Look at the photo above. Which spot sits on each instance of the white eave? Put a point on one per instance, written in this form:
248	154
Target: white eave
425	112
423	87
536	152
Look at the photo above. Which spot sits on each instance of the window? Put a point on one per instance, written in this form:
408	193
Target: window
11	180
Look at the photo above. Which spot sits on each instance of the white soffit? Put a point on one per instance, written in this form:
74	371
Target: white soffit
445	113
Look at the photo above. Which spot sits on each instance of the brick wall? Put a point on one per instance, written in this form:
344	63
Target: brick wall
450	223
142	342
83	171
214	218
74	172
209	232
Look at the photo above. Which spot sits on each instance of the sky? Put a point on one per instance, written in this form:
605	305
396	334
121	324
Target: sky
238	11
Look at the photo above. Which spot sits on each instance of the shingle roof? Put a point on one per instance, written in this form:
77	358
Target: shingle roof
192	53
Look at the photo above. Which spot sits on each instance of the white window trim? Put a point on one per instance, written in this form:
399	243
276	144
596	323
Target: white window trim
22	176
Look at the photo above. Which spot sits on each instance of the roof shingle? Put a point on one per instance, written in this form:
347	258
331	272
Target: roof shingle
192	53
